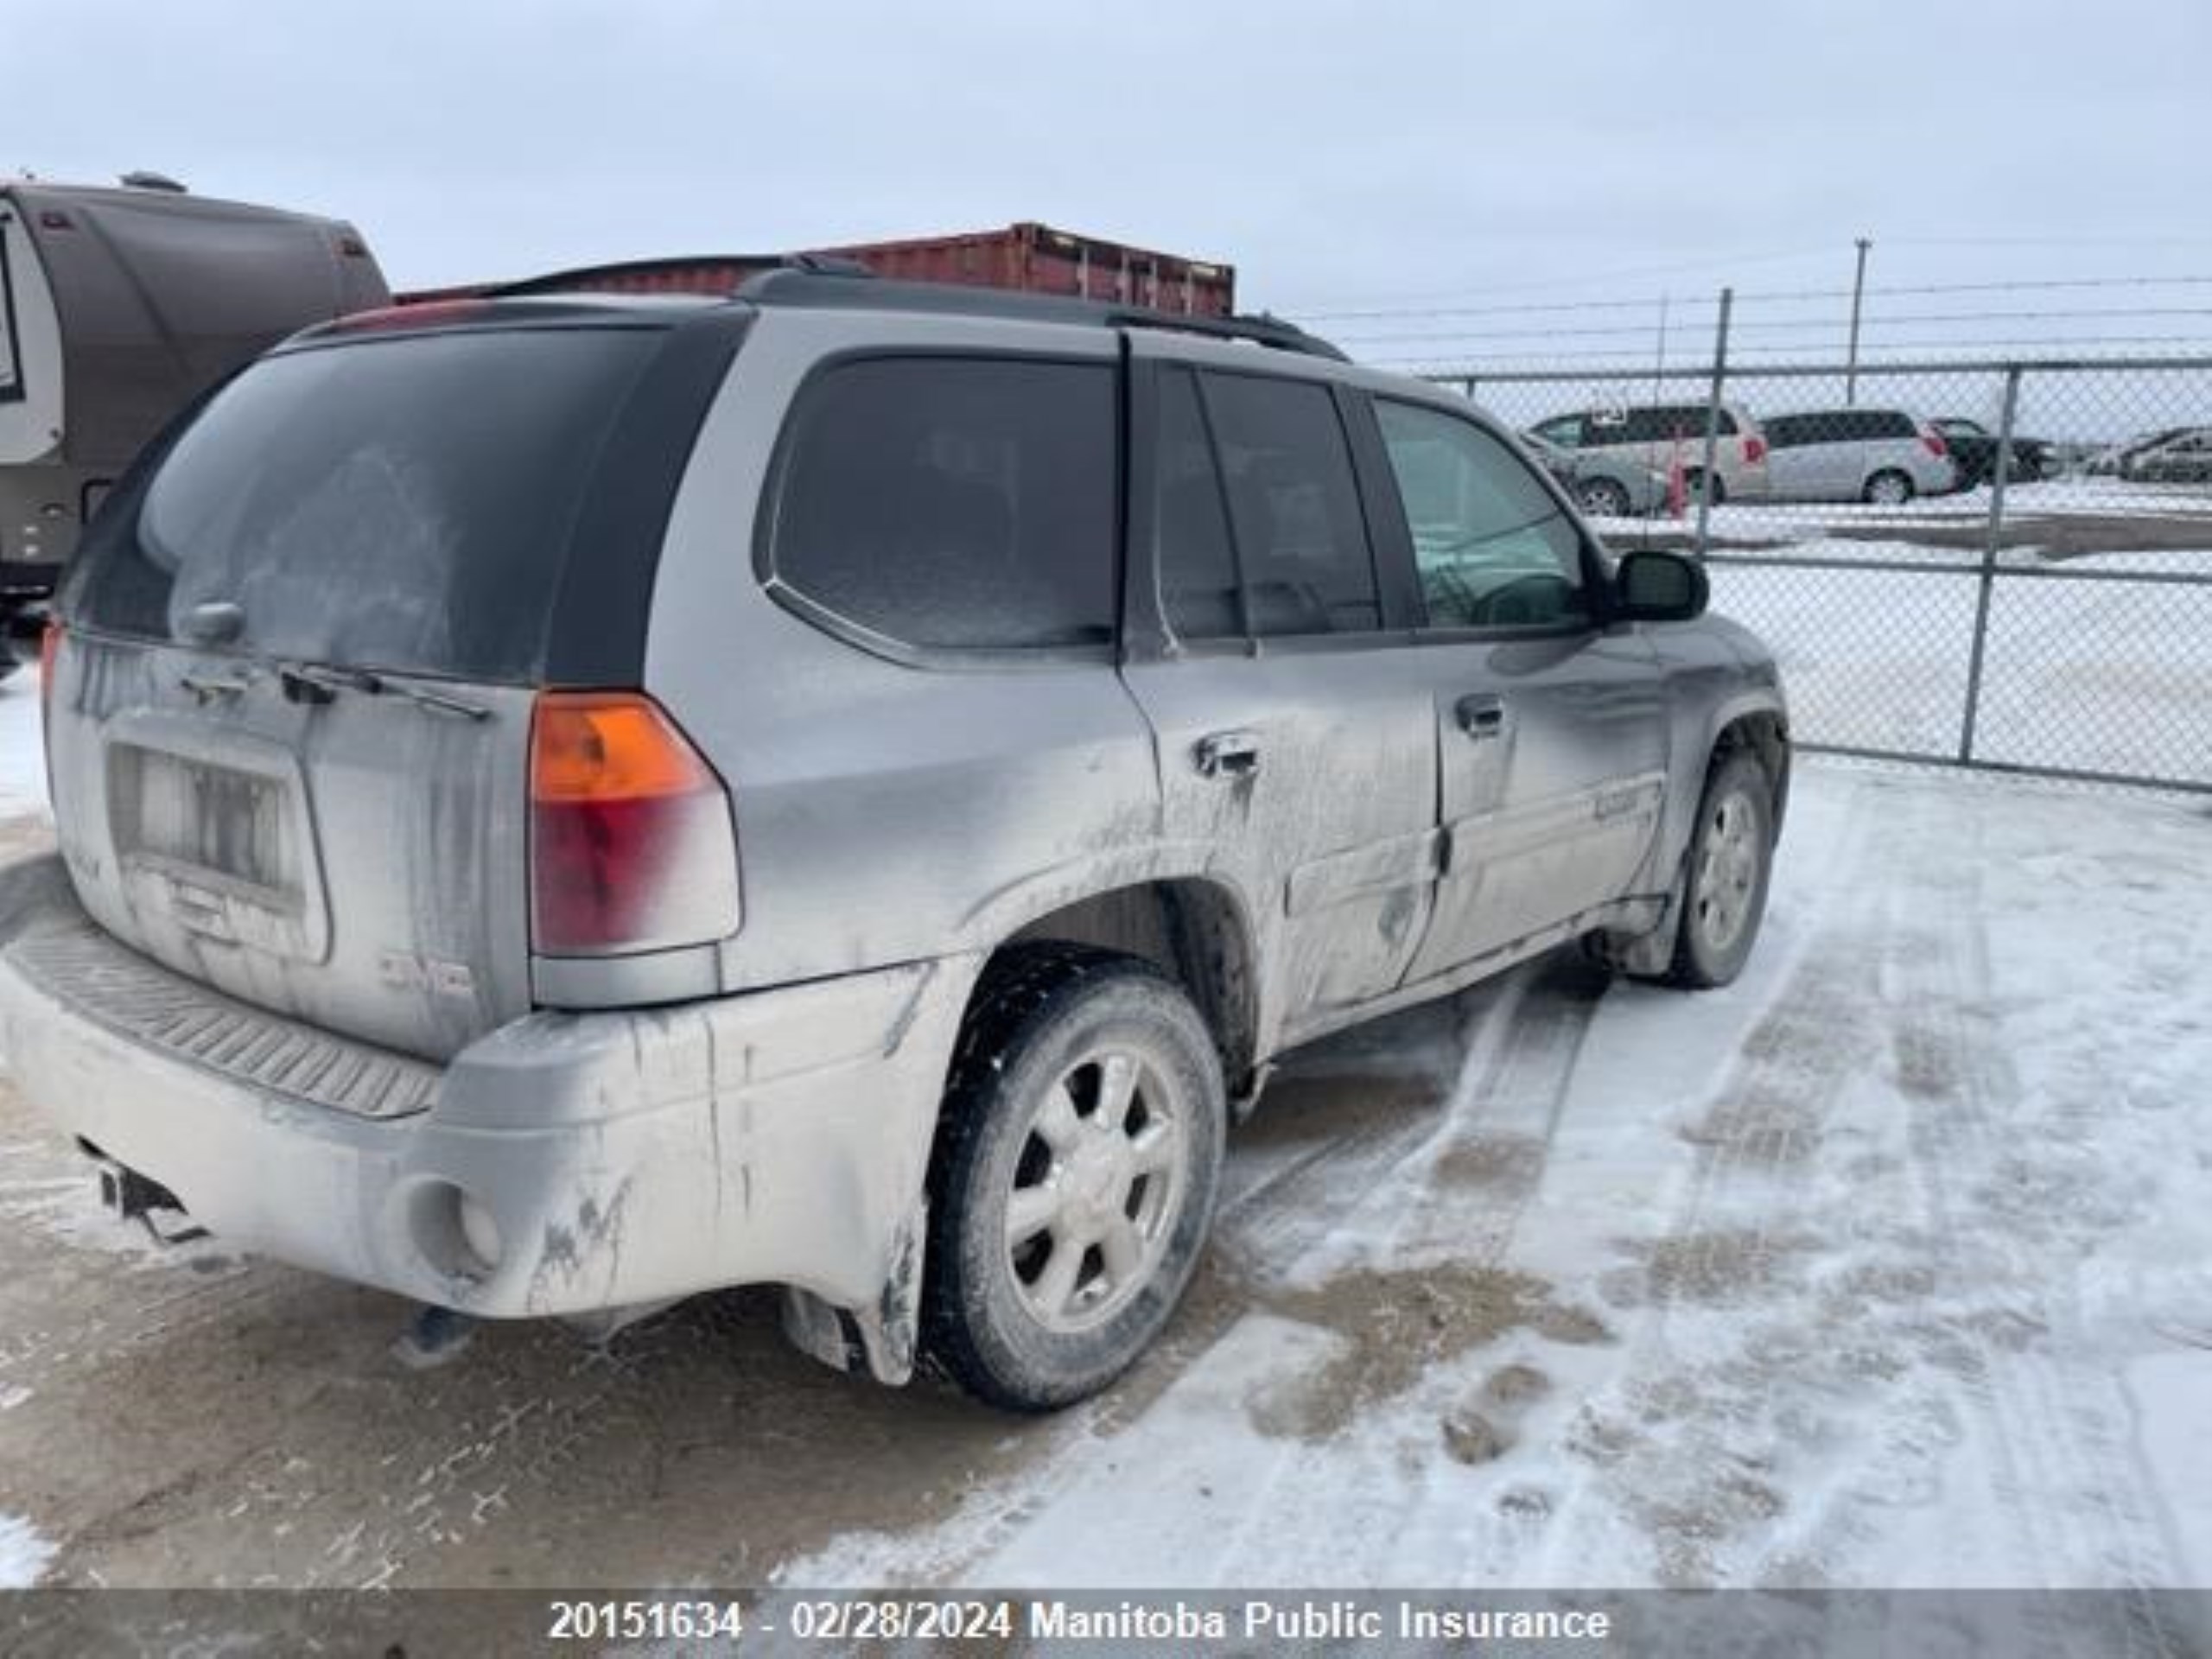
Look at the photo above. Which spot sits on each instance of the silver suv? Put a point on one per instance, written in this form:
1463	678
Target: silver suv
568	803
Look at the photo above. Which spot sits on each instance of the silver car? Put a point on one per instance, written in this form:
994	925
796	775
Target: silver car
565	803
1881	455
1603	486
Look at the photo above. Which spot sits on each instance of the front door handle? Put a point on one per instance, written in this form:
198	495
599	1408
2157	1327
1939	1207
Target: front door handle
1480	716
1227	755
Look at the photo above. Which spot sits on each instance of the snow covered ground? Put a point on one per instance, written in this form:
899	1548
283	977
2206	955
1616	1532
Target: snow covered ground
2090	676
1890	1265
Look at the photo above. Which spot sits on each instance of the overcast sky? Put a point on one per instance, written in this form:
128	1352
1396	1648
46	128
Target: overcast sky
1342	155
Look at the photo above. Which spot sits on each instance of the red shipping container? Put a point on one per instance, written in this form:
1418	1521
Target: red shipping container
1031	257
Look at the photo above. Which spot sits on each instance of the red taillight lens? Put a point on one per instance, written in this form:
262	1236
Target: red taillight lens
1936	447
1754	450
421	313
630	843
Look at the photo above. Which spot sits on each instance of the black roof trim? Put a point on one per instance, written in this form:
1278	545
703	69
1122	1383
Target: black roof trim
822	289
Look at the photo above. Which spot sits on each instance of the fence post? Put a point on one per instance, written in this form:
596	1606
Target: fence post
1993	539
1712	418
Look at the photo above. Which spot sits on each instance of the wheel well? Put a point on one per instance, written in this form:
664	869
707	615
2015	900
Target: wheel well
1193	931
1766	735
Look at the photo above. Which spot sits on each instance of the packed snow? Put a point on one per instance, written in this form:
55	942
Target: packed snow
23	1553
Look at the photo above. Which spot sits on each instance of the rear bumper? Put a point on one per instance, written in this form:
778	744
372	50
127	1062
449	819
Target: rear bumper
624	1157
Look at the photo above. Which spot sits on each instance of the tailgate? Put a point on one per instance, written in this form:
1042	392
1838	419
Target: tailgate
351	858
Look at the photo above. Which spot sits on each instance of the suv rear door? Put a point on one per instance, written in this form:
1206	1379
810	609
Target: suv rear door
290	730
1295	737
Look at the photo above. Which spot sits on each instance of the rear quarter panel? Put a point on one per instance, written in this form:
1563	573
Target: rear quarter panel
885	813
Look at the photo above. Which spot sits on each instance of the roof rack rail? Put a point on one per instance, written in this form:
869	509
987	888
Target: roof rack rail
811	281
710	274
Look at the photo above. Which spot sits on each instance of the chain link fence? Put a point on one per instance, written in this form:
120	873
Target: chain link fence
1988	563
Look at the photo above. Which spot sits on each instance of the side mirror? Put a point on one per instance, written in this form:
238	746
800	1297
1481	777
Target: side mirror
1658	587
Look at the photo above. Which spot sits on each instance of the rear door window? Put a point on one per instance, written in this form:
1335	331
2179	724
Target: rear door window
402	503
953	503
1294	501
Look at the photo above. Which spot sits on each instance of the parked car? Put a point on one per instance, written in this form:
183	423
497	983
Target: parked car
117	307
2115	461
1973	452
476	882
1603	486
2185	458
1660	437
1882	456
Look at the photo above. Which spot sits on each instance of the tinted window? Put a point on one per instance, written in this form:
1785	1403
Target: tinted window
1890	423
1789	431
1493	546
954	502
1300	538
403	503
1193	552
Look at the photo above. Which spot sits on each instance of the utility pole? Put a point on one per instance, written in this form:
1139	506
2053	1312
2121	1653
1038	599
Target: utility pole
1857	292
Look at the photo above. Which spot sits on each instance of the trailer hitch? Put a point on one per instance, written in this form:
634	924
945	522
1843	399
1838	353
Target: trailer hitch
128	1195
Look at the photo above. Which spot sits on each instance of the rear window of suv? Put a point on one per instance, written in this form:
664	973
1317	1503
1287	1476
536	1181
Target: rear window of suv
952	503
403	503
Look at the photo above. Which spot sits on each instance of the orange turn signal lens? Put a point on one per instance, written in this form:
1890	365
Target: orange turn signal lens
609	746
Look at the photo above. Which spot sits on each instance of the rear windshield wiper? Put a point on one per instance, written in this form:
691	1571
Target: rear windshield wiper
312	682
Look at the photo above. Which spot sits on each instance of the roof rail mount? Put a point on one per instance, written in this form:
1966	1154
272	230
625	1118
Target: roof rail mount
796	284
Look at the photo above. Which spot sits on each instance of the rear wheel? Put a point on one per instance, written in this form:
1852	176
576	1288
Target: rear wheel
1724	887
1074	1176
1889	488
1602	497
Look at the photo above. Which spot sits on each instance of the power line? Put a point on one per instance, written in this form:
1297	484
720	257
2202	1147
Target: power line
1653	301
1809	349
1901	320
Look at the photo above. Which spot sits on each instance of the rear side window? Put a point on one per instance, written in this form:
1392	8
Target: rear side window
402	503
1301	538
953	503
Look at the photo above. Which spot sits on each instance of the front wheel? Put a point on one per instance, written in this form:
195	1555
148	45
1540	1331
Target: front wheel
1074	1177
1724	887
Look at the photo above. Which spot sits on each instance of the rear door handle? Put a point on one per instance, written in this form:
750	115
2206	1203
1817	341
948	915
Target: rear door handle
1480	716
1227	755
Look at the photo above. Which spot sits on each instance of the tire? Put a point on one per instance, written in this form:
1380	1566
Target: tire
1603	498
1725	877
1053	1030
1888	488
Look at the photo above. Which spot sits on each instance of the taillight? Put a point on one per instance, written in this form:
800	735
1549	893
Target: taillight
1754	450
1936	447
420	314
631	844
